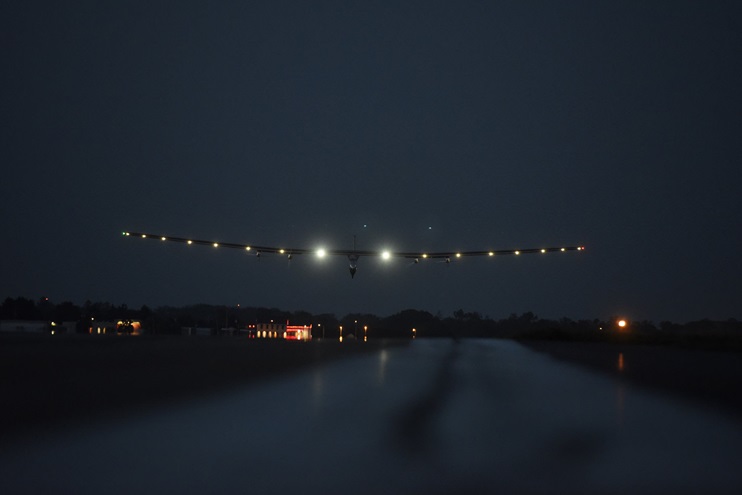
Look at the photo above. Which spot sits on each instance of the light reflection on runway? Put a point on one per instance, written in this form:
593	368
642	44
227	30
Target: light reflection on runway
318	388
383	358
620	391
438	416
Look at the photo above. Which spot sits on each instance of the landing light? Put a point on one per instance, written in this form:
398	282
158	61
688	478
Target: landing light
562	249
163	238
490	253
517	253
458	255
144	236
386	255
543	250
247	248
190	242
216	244
281	251
321	253
425	255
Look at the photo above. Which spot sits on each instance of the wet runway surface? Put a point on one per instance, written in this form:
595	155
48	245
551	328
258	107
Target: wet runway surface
435	416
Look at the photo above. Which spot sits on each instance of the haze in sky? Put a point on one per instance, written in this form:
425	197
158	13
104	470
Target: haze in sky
413	125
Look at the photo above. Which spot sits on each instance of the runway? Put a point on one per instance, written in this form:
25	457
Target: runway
435	416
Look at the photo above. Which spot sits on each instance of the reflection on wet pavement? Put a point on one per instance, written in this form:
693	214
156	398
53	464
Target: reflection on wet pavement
438	416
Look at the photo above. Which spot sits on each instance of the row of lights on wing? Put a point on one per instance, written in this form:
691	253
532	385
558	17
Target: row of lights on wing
216	244
386	254
321	253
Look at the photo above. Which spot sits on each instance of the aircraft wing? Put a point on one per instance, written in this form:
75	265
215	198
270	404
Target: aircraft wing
231	245
290	251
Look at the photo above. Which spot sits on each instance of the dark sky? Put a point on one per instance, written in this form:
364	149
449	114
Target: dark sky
500	124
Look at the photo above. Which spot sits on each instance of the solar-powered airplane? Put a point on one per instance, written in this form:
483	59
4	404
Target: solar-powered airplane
354	254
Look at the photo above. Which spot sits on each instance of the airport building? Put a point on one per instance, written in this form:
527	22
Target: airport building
23	326
118	327
298	332
43	326
267	330
279	331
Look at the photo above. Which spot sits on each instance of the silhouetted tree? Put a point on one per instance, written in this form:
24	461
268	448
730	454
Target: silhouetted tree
67	311
20	308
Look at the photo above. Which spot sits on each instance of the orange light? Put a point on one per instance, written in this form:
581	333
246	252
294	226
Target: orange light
622	323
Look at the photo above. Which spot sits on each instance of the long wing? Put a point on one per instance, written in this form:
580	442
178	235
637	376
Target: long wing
416	255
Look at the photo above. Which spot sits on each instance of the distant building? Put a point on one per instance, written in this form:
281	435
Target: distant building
267	331
298	332
197	331
25	326
279	331
68	327
129	327
118	327
94	327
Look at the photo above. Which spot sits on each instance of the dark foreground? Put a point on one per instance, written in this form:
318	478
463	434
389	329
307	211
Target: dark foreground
50	382
429	416
709	378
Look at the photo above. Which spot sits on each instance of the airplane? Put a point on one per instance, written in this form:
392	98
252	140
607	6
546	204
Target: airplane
354	254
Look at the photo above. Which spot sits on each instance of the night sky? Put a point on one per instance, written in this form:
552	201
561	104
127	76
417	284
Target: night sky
414	125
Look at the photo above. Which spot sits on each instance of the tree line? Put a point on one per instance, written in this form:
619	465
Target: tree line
169	320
